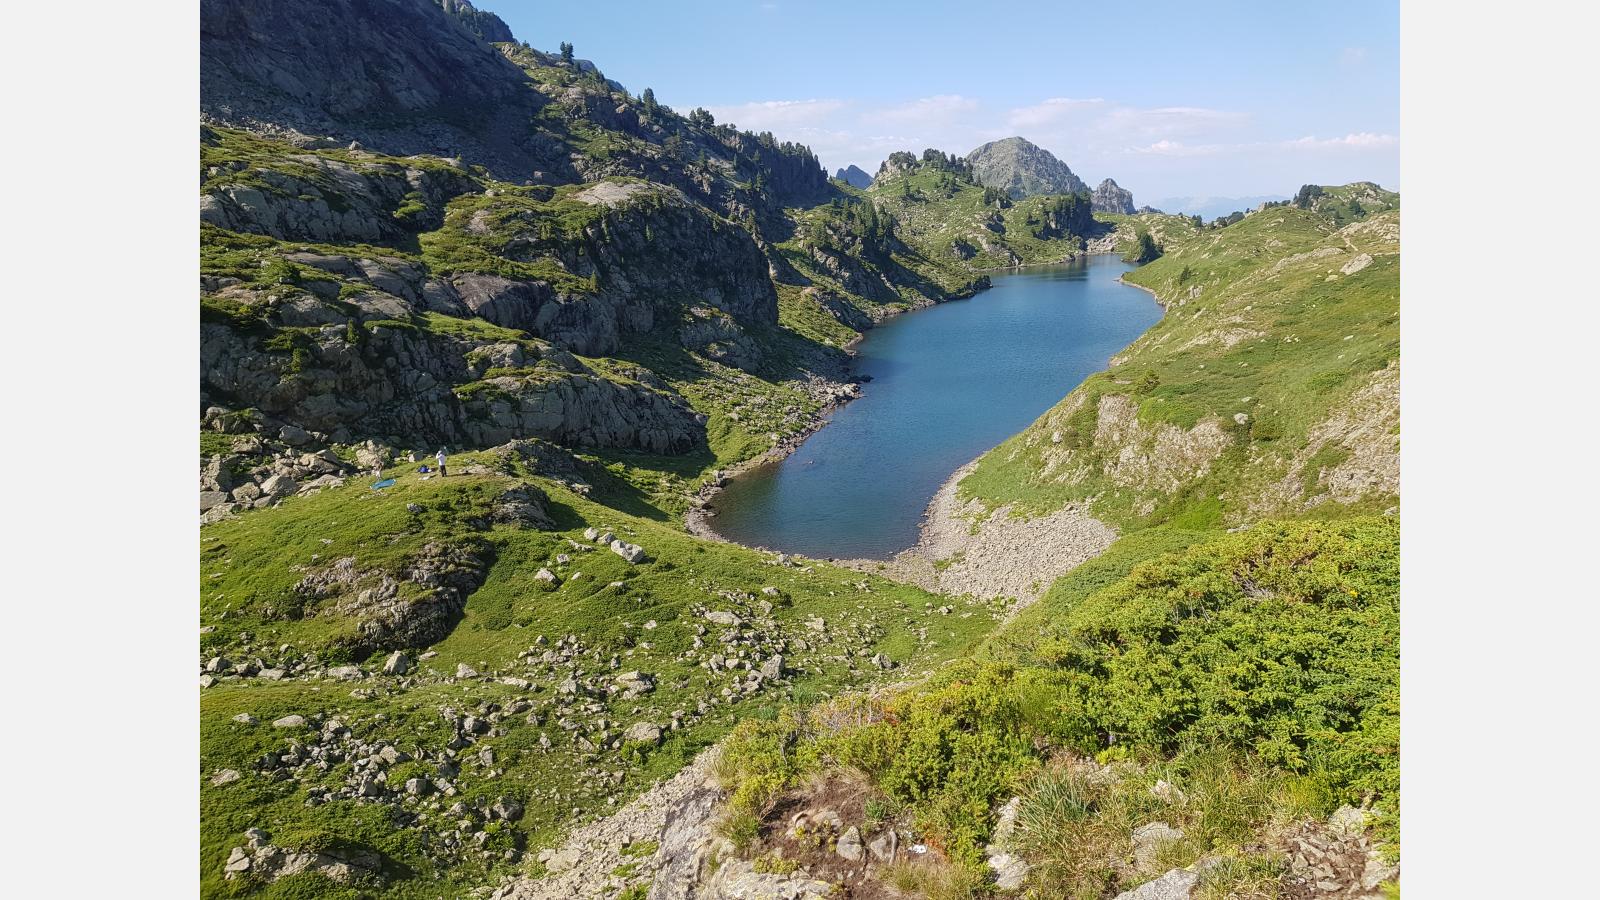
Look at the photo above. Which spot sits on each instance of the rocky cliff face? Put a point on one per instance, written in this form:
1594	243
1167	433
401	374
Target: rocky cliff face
407	385
854	177
1109	197
486	25
407	232
401	74
1022	169
398	244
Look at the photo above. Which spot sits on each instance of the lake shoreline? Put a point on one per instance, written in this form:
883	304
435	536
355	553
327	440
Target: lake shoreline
834	395
933	544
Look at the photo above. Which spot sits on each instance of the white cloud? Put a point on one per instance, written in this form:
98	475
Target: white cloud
930	110
779	115
1175	148
1165	122
1050	111
1179	148
1360	140
1090	132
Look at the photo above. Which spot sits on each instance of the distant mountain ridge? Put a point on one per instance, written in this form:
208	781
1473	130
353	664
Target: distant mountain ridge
1022	168
1209	208
853	176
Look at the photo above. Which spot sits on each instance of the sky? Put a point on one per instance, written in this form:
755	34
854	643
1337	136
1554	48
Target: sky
1220	99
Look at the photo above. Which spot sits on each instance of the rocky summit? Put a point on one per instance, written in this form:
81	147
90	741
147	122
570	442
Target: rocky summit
854	177
1111	198
484	333
1022	169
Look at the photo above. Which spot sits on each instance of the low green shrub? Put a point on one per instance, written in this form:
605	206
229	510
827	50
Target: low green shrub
1257	672
1282	640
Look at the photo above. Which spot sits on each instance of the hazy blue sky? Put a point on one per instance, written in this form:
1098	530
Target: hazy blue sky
1170	99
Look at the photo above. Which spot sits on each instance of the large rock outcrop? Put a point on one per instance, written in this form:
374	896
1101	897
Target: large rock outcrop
403	76
413	606
397	382
310	197
581	411
646	249
853	176
1110	197
1022	169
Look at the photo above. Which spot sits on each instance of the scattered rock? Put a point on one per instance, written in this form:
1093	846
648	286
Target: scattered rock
1176	884
849	844
1347	821
294	721
883	846
1149	839
1357	264
631	552
1010	871
773	667
642	733
1166	792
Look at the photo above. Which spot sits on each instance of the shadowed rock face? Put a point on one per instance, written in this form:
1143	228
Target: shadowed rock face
854	177
398	383
484	24
401	75
1022	169
1110	197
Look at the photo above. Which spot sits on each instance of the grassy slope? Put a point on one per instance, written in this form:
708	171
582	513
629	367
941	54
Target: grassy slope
941	209
766	407
249	567
1256	672
1260	322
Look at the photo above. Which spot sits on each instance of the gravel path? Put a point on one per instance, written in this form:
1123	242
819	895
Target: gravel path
581	869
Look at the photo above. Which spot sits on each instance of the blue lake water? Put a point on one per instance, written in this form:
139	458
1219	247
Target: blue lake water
948	383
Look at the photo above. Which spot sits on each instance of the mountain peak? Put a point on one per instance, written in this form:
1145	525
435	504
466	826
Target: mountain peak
1111	197
854	176
1022	168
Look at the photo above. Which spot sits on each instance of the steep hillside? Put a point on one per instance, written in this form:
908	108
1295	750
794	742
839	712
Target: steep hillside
407	690
1022	169
1201	710
1270	387
619	278
1216	721
419	232
941	209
